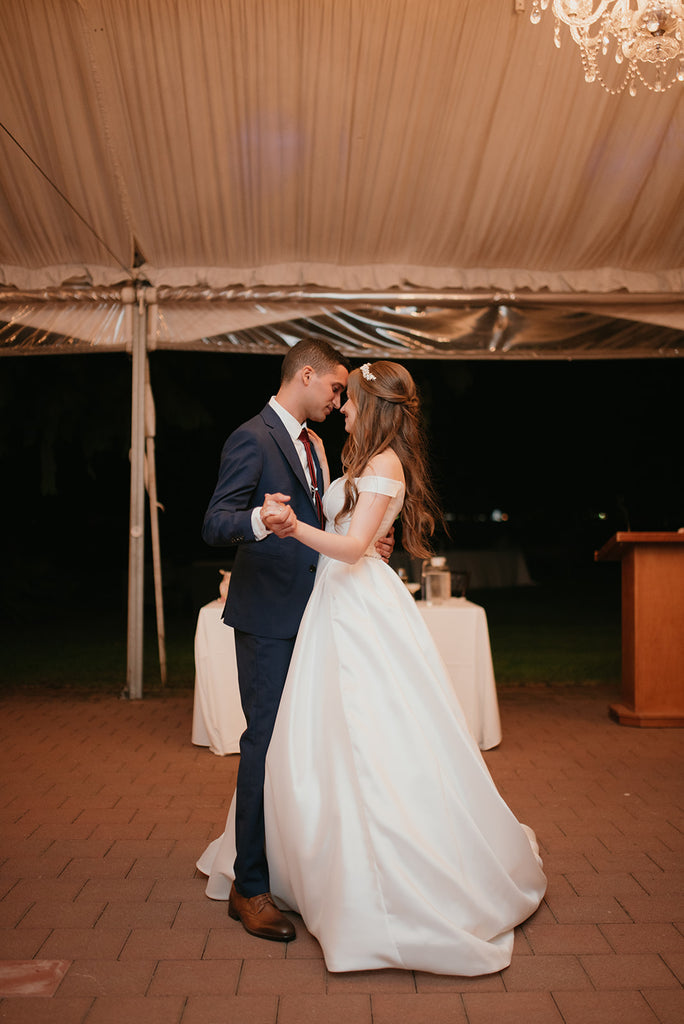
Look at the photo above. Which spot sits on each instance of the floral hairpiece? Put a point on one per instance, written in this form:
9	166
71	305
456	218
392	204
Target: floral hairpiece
367	375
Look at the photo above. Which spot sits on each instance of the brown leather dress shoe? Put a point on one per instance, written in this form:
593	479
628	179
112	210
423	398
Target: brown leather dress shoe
260	916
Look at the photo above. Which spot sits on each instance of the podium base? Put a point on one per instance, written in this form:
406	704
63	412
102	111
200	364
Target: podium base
645	720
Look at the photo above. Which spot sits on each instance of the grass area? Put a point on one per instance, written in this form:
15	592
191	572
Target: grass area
562	634
555	634
87	652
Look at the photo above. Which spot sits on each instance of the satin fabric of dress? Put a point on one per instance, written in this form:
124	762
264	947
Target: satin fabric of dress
384	828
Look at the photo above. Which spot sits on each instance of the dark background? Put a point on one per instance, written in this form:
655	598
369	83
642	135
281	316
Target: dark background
569	451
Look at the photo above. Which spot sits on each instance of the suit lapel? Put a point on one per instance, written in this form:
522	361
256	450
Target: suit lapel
286	445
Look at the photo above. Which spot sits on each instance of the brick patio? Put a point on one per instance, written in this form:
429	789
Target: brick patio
106	805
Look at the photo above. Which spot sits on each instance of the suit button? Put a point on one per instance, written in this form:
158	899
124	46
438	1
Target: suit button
312	568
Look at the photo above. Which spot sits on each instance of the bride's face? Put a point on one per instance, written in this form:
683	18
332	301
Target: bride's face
349	411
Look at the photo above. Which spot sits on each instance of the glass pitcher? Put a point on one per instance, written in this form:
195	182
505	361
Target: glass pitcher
435	581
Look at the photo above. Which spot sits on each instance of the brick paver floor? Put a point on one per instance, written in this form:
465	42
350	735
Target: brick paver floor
106	804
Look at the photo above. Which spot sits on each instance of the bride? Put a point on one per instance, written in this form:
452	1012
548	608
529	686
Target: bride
384	829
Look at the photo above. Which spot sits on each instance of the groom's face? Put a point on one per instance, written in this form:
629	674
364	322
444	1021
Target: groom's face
324	392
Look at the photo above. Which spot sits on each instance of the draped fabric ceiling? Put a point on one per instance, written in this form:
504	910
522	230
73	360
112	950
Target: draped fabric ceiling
421	178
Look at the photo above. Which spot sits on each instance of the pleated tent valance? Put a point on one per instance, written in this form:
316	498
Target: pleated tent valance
415	325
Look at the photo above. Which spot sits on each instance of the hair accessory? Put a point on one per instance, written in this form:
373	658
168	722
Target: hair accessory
367	375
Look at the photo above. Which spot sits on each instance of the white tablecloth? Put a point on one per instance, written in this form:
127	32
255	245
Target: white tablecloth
458	626
217	719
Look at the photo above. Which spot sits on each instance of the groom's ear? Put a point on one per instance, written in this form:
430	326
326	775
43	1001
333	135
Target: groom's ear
306	373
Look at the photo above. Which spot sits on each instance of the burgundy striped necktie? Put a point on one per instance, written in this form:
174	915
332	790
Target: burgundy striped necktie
304	438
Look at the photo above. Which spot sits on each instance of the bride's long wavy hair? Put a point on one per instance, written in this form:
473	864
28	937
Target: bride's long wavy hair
388	416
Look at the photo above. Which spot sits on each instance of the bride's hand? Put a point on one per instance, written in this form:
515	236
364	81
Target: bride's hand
317	442
277	516
273	505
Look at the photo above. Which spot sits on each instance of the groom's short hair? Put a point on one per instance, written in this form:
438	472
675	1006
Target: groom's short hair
314	352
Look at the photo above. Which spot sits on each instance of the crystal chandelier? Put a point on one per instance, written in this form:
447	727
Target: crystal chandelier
647	36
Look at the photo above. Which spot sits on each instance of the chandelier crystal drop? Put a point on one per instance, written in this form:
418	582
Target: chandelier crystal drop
646	36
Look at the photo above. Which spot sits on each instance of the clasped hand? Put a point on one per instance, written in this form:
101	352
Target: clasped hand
277	516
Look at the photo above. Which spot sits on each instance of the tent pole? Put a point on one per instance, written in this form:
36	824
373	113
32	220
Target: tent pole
151	484
339	297
136	540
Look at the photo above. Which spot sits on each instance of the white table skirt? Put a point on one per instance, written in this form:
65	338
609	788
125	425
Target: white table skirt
459	629
217	718
458	626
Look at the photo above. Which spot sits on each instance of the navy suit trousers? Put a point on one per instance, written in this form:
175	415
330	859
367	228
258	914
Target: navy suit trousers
262	663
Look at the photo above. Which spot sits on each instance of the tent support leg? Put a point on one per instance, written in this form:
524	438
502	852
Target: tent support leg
151	485
136	539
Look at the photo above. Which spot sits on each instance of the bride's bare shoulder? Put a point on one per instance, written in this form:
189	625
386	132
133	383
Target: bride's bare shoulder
386	464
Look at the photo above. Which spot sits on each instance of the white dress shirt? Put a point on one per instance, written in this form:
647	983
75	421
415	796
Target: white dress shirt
294	429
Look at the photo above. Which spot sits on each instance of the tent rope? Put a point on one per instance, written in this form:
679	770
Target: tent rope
71	206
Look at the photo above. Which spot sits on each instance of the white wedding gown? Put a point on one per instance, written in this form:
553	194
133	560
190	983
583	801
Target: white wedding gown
384	829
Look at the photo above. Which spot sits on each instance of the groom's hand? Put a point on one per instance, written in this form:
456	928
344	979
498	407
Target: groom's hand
277	516
385	545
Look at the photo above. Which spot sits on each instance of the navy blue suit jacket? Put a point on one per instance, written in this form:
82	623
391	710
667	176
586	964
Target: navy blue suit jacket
271	579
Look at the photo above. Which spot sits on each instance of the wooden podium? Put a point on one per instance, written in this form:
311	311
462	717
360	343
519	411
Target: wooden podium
652	627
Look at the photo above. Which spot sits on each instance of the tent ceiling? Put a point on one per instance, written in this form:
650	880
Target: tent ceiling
356	145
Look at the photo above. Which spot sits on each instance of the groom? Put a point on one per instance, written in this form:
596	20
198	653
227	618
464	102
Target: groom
270	583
